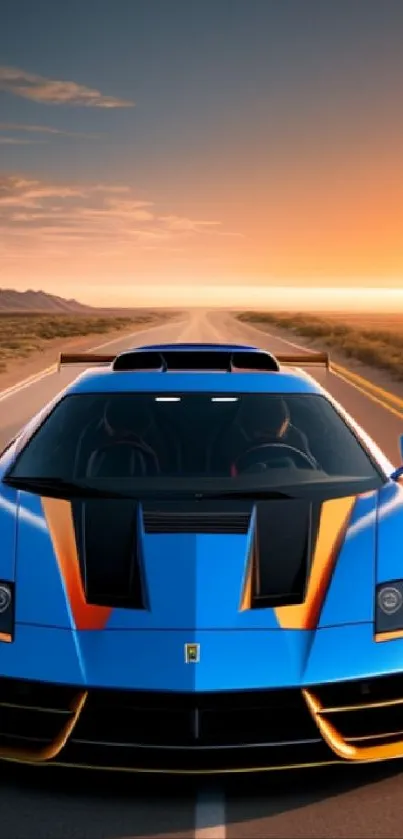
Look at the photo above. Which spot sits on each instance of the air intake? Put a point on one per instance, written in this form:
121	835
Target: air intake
196	360
197	523
197	517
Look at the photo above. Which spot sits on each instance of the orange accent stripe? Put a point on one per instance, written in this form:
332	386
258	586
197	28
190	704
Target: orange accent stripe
389	636
6	637
52	749
385	751
60	523
362	706
246	599
334	518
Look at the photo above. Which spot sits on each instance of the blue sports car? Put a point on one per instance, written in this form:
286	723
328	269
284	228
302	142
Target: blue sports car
200	571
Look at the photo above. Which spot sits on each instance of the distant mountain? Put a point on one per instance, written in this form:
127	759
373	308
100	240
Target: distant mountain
38	301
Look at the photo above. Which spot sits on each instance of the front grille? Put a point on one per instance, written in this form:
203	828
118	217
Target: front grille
215	732
33	715
195	721
223	522
365	712
182	731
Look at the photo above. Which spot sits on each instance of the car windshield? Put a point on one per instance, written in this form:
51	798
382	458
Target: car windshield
191	440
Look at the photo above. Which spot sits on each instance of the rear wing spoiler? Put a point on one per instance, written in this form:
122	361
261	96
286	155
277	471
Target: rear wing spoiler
305	359
88	359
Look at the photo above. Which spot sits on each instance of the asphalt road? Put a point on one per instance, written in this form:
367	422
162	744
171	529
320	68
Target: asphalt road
44	803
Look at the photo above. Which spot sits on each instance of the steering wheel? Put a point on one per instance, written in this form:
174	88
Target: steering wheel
256	456
146	455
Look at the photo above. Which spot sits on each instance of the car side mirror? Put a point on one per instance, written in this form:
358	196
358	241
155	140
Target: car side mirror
398	473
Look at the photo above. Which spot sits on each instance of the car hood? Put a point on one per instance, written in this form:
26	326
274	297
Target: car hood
74	563
115	563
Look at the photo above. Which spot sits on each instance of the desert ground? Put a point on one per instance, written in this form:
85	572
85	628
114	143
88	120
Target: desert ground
374	340
30	341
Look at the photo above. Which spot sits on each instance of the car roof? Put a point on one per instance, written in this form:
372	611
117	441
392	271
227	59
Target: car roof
106	382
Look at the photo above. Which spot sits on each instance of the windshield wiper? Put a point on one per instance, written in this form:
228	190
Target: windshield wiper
49	485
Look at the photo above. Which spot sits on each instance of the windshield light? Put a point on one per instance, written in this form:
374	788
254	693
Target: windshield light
224	399
167	399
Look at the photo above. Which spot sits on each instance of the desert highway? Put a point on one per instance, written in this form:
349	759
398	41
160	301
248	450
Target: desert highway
362	801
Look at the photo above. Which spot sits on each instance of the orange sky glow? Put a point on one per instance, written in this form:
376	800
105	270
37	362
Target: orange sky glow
254	178
103	241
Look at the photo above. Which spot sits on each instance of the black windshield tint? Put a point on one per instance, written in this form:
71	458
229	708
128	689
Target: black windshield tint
192	436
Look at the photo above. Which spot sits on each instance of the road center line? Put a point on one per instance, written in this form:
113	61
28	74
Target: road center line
210	814
369	395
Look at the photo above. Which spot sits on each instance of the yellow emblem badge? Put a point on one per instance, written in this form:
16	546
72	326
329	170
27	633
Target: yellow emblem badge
192	653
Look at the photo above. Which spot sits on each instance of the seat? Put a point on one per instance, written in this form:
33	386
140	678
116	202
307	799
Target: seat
122	459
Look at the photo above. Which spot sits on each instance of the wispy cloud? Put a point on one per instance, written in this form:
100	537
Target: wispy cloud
93	217
110	188
43	129
55	91
28	193
186	225
180	224
19	141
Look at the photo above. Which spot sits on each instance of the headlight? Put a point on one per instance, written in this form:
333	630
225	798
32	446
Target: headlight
389	606
6	611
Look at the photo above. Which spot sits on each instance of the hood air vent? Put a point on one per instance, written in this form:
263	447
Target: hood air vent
195	518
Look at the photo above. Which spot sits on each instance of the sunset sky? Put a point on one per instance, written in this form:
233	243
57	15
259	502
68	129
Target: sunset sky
150	144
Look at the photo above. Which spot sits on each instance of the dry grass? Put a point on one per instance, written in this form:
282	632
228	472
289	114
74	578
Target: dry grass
23	334
367	320
376	340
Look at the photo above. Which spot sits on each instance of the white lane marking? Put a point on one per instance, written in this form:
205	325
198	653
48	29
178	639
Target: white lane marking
210	815
36	377
47	371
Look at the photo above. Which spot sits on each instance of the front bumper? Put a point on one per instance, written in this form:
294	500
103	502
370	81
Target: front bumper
249	731
257	700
